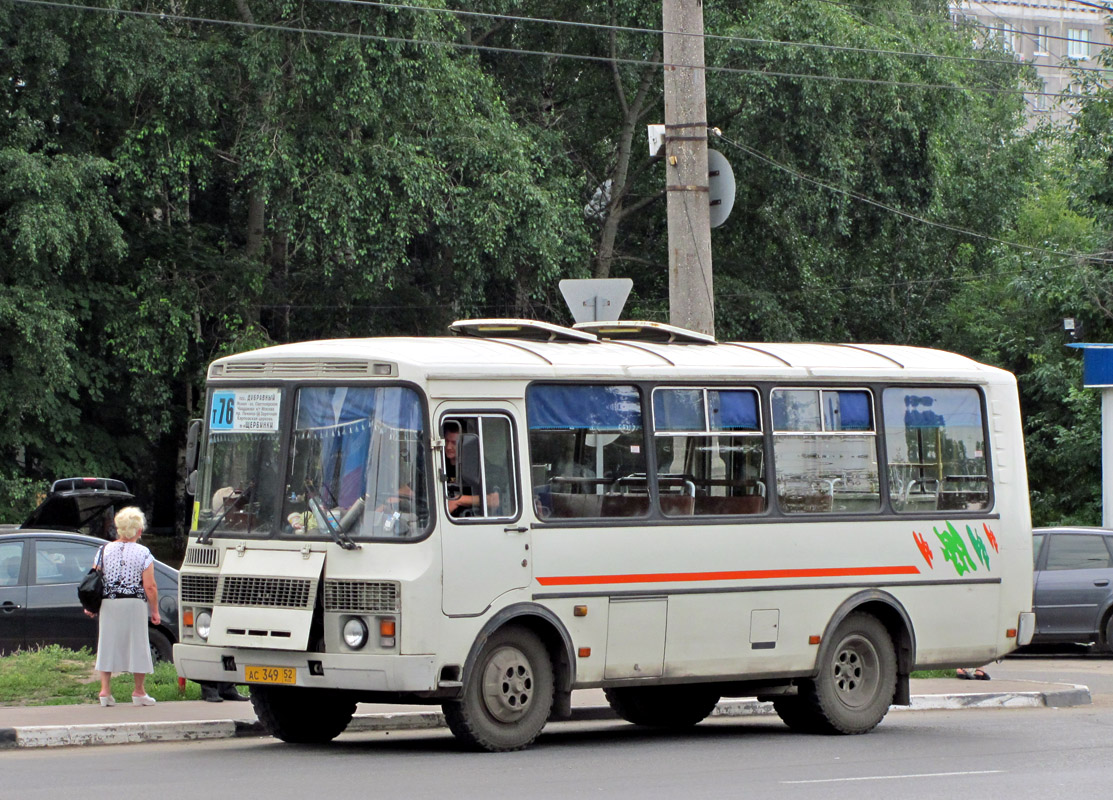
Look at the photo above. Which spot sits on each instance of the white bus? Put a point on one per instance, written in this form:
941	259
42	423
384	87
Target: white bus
490	520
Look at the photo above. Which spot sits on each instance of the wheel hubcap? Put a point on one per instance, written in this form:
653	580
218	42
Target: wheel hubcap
855	671
507	684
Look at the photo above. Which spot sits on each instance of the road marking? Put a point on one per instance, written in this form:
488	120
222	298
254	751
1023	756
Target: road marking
897	777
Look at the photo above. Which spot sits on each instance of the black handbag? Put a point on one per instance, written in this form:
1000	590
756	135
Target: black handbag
91	589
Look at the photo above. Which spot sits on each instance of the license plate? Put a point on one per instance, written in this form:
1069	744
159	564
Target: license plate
284	675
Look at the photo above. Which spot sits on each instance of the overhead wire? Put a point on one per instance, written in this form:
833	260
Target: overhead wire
162	16
744	148
1090	257
609	28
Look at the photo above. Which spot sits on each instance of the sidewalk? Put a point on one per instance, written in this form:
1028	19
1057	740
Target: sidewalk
58	726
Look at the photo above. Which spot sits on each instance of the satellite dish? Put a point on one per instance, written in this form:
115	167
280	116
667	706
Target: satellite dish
720	185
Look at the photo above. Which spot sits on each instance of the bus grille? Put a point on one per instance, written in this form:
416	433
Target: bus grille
238	590
369	596
200	589
202	556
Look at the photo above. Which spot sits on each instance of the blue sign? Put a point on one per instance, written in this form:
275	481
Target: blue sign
1097	364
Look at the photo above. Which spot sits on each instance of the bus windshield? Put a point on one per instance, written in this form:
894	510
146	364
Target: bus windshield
355	468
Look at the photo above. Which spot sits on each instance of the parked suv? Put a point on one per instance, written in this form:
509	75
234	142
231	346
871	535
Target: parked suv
1073	596
43	560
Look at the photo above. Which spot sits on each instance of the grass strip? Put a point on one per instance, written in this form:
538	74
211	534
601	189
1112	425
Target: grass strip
55	676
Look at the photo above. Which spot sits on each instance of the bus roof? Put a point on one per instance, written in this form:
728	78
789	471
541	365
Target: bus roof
582	356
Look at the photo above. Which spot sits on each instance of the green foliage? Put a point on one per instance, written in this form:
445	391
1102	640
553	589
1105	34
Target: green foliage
172	191
56	676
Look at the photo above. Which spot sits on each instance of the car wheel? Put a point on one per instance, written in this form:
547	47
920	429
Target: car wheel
162	649
1107	635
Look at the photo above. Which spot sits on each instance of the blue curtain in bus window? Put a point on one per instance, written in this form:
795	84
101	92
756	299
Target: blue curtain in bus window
733	410
847	411
340	417
678	410
571	407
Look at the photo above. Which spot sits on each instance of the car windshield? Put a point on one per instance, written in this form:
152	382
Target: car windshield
355	464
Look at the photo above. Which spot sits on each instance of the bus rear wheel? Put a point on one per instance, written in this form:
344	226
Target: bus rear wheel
856	680
302	716
662	706
508	695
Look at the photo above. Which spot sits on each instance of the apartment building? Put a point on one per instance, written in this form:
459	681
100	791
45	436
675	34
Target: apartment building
1050	34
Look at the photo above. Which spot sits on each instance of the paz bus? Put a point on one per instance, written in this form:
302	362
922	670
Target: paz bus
490	520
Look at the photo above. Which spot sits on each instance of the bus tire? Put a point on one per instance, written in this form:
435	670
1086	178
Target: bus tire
857	679
508	694
302	716
662	706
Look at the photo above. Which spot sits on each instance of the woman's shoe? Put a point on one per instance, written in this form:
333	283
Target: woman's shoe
142	700
107	700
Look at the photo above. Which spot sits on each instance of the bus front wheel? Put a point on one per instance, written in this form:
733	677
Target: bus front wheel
508	694
302	716
856	680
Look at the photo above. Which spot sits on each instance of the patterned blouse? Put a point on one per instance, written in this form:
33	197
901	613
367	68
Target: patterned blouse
123	564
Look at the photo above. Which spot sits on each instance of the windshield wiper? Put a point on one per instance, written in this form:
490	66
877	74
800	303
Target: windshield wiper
236	504
337	529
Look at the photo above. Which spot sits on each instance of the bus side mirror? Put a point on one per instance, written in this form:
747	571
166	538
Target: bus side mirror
192	440
469	470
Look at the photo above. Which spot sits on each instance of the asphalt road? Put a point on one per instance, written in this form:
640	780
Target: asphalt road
1022	753
1017	753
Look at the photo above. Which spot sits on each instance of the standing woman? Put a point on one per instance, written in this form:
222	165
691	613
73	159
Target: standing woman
129	580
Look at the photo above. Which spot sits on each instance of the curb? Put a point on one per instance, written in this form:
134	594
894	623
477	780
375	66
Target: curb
132	732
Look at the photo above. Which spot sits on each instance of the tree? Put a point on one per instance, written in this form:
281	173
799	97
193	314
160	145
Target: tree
235	186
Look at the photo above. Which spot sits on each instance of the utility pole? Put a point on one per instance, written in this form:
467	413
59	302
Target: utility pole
691	300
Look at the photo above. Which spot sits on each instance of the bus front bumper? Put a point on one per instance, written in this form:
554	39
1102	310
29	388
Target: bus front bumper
372	673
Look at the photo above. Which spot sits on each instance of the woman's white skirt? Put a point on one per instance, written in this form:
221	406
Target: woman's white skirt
122	645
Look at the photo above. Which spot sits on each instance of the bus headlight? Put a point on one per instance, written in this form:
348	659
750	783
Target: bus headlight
203	624
355	633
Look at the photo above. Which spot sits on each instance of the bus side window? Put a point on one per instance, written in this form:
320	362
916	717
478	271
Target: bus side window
936	443
710	451
825	450
479	467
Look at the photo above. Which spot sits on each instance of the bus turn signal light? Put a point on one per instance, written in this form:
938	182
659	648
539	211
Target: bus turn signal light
813	640
579	611
584	652
1011	633
187	618
386	627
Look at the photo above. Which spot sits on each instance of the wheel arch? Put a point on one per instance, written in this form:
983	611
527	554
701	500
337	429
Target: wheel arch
889	612
552	633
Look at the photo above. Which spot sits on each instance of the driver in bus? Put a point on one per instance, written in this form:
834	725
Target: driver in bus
466	502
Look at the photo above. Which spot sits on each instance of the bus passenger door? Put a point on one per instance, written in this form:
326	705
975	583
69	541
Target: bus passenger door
485	544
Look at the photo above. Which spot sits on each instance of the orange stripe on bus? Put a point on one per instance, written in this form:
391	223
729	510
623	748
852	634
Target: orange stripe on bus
738	575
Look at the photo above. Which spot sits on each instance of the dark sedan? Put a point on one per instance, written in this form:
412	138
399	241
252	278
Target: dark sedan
43	560
1073	595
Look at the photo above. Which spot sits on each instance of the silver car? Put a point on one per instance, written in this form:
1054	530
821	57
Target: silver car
1073	595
